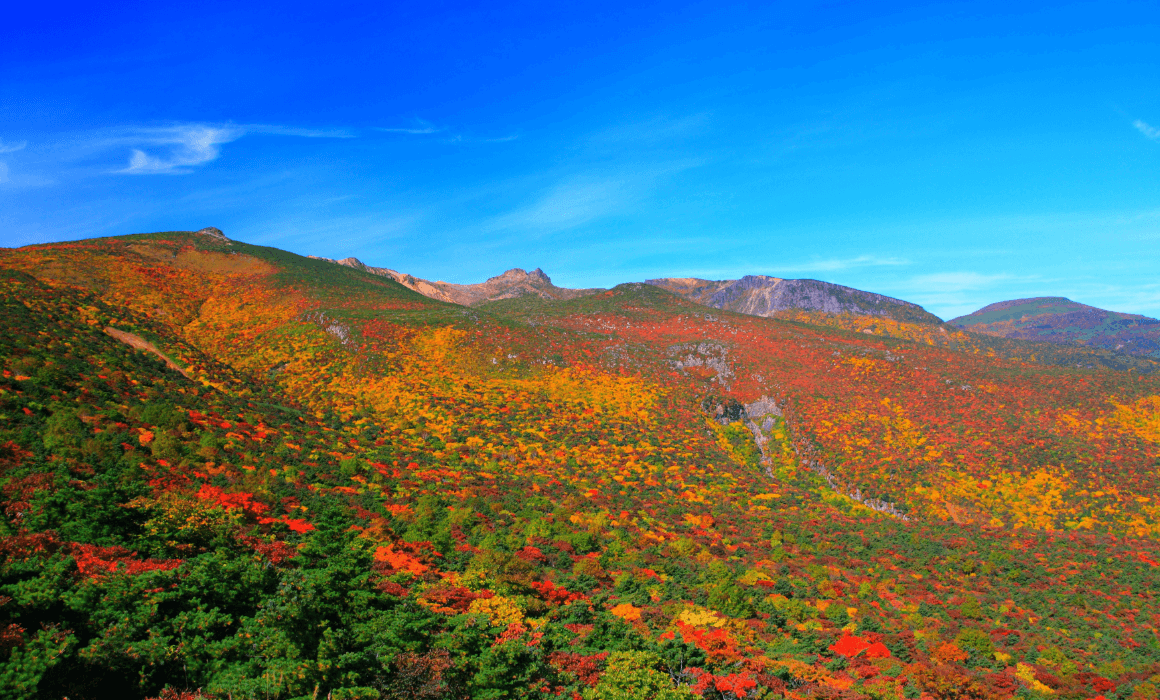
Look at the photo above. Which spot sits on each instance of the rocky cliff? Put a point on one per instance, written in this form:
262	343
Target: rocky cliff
760	295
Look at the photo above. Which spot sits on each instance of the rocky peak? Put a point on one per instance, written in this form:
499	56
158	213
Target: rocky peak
355	263
213	233
512	283
518	274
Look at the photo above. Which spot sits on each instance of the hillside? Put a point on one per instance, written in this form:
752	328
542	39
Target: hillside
760	295
1063	321
511	284
974	343
230	471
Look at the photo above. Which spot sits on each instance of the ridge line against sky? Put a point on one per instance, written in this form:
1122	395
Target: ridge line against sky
949	154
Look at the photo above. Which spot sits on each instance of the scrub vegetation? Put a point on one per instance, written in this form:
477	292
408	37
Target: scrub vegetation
228	471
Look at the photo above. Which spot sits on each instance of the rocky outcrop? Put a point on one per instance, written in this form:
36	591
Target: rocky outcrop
213	233
760	295
511	284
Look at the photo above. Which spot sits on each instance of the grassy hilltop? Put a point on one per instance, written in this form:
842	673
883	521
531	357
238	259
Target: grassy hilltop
229	471
1063	321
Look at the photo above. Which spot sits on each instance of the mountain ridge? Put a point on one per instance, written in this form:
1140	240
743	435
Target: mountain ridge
762	295
1063	321
512	283
755	295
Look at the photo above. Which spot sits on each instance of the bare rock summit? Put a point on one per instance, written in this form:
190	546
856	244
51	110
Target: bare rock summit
213	232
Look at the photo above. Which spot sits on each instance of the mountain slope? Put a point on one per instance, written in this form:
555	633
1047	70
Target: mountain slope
969	341
347	489
511	284
760	295
1063	321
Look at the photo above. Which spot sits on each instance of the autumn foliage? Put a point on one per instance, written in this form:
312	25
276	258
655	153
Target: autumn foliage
345	489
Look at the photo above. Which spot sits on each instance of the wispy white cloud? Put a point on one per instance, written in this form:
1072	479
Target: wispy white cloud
578	199
178	148
1147	130
12	147
466	139
275	130
569	204
426	128
421	127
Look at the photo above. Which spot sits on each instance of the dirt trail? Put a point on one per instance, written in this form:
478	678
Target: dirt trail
142	344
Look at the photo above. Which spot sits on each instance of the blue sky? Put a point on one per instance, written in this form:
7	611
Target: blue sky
952	155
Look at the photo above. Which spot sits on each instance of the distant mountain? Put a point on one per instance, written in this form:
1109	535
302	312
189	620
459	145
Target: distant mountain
1061	320
759	295
511	284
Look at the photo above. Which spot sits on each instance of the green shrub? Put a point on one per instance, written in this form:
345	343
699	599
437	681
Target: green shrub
635	675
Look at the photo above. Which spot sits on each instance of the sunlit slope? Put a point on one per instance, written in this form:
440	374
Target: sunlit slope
942	433
337	339
494	499
976	343
173	276
258	309
939	433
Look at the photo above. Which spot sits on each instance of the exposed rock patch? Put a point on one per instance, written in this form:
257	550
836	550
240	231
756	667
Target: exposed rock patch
213	232
706	360
136	341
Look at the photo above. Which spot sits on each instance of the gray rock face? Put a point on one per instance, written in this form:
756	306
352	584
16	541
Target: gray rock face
760	295
708	355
